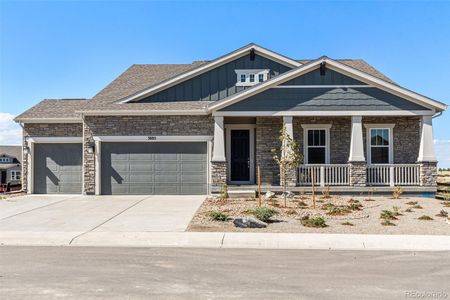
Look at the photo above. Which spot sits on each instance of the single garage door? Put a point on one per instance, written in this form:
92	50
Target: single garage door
57	168
154	168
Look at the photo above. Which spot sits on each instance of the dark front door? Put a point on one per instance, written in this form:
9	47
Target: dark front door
240	155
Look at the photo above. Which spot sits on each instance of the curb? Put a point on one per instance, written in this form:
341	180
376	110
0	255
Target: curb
229	240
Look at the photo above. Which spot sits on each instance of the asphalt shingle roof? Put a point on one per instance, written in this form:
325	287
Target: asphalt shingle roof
135	79
13	151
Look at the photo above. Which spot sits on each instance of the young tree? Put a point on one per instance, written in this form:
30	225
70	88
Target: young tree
288	157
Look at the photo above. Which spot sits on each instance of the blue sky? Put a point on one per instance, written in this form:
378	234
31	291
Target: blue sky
55	49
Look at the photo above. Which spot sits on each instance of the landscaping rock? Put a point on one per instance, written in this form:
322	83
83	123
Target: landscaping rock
269	195
289	195
249	222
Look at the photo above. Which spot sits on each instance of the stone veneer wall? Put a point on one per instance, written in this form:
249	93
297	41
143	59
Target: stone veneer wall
267	138
137	126
340	134
428	173
46	130
406	135
219	174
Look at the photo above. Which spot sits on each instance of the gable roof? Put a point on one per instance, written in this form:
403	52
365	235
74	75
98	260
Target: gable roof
63	109
336	66
12	151
209	66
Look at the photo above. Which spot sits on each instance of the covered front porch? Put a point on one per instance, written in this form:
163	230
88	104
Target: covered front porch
355	153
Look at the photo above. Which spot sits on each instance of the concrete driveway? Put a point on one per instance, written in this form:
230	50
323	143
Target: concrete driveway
81	214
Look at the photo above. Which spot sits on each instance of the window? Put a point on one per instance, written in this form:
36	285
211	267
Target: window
316	141
379	144
260	77
247	77
15	175
5	160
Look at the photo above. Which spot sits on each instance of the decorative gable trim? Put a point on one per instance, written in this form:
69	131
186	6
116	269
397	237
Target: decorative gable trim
212	65
336	66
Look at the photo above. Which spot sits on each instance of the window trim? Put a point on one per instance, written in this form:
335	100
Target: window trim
247	73
14	175
390	128
325	127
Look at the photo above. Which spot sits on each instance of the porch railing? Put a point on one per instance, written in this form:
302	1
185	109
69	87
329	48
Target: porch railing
324	175
393	174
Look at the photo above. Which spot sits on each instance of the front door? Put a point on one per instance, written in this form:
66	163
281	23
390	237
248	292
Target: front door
240	155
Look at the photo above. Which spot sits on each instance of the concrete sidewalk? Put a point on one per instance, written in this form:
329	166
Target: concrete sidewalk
229	240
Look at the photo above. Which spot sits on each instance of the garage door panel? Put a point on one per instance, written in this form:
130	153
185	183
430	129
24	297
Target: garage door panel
141	178
167	166
57	168
166	156
193	167
154	168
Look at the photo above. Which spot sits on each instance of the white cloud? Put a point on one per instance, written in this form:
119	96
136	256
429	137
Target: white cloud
10	132
442	148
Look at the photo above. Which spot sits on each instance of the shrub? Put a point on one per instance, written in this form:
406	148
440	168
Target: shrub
396	211
224	192
302	204
347	223
338	210
397	192
412	203
417	206
327	206
316	222
425	218
387	223
218	216
326	193
387	215
408	210
263	213
442	213
446	204
355	205
291	212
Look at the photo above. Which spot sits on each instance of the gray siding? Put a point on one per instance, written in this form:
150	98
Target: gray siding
216	84
333	99
330	78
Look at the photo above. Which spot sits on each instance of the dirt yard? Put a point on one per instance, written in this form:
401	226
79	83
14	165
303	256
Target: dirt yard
361	217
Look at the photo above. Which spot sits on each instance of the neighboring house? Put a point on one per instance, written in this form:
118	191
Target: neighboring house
10	166
191	128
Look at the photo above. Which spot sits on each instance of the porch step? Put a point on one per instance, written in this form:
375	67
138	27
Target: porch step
241	193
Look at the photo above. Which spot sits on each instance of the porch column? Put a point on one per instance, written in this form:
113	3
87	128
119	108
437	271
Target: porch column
218	160
356	159
427	156
291	175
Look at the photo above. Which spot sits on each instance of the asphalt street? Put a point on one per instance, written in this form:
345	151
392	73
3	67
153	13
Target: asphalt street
182	273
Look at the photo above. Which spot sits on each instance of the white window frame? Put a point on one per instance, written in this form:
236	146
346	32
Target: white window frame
14	175
390	128
306	128
247	73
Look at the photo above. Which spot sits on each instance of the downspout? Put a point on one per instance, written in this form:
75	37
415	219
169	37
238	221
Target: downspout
22	172
437	114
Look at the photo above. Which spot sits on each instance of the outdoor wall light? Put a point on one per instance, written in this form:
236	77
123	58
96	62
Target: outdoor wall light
26	150
91	148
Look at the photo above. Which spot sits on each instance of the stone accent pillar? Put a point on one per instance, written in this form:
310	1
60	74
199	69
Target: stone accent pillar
428	173
291	175
218	161
356	159
219	174
358	173
219	140
427	156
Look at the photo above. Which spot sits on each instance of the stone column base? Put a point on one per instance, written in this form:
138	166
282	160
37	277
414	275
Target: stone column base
358	173
291	178
428	173
218	174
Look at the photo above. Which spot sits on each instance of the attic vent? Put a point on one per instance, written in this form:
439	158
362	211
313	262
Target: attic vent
322	69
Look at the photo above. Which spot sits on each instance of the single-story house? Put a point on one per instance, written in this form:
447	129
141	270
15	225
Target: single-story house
192	128
10	166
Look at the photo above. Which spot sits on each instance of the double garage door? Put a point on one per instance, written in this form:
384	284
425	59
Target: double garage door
126	168
154	168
